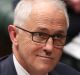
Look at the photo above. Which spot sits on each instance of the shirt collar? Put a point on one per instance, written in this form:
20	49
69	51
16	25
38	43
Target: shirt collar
19	69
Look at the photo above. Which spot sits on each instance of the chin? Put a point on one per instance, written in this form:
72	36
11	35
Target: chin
45	68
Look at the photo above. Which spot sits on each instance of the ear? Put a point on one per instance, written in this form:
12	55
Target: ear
13	34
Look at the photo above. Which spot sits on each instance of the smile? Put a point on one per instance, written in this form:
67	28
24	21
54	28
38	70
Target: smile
46	57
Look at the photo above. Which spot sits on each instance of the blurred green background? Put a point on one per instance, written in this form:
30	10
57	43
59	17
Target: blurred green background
6	14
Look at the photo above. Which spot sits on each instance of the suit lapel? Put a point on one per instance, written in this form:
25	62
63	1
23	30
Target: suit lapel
54	72
7	66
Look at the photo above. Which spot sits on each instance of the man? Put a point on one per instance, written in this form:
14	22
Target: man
38	36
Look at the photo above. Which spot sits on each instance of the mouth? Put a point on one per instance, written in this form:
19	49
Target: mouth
46	57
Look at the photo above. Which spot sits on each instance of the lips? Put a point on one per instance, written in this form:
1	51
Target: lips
46	57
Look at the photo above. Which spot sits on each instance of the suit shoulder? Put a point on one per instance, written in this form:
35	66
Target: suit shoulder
64	69
3	58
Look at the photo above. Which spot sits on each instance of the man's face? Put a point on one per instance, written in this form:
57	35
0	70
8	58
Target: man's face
75	5
41	57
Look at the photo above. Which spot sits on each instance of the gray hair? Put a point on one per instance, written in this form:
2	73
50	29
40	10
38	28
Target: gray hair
24	8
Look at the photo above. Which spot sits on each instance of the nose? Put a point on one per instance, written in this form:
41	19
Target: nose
49	45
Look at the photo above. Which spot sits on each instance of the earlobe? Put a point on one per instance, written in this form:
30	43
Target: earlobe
13	34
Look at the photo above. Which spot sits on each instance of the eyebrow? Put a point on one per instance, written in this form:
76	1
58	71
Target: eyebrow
45	30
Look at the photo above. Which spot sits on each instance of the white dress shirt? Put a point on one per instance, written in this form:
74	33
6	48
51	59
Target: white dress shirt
19	69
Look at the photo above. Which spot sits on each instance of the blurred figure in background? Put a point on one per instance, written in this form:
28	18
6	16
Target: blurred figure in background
72	46
74	5
74	16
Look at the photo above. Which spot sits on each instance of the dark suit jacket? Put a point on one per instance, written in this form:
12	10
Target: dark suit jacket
7	68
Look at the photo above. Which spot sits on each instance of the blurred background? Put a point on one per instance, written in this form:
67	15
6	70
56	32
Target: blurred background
71	51
5	20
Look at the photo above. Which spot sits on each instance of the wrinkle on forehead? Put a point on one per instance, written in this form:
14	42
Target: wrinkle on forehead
49	17
44	13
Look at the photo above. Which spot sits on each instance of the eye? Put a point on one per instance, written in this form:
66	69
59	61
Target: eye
58	36
41	35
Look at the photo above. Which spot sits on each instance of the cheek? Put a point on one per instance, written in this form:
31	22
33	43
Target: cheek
57	53
28	52
28	49
26	45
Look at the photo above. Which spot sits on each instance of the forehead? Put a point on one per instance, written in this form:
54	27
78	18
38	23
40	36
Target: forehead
46	15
